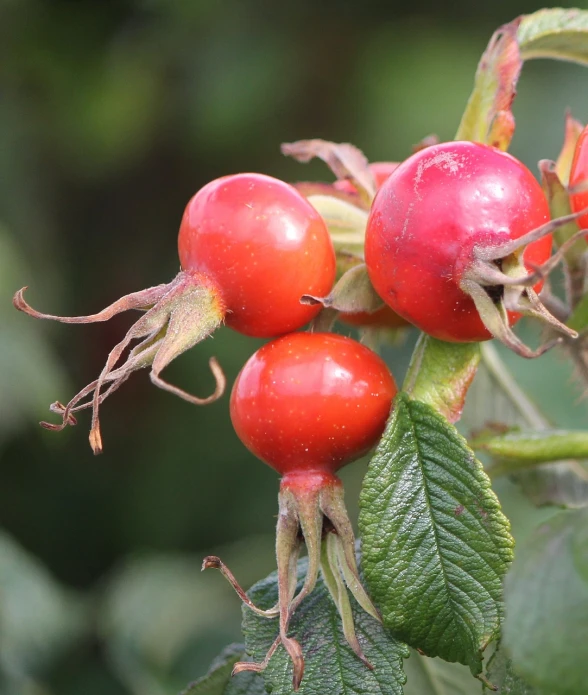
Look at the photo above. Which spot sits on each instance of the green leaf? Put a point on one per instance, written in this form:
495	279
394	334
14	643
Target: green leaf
522	449
426	676
219	674
494	90
331	665
555	33
501	674
440	374
435	543
495	397
218	680
546	628
247	683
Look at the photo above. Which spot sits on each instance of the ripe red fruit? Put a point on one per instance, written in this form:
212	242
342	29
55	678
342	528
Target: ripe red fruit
453	239
307	404
262	245
311	401
579	175
250	246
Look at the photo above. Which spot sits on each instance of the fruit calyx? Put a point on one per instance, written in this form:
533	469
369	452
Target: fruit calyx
311	508
177	316
497	280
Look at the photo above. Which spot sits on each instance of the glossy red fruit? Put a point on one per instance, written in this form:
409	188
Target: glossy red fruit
263	246
578	175
307	404
380	171
439	222
250	246
311	401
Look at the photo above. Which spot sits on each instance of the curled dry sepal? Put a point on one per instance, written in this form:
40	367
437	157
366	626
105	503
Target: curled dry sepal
310	508
177	316
242	238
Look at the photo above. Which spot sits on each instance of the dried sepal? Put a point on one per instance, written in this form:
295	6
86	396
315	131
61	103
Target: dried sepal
345	160
354	292
501	267
177	316
311	189
310	508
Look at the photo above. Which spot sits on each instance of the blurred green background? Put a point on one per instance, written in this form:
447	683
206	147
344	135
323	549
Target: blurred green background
112	114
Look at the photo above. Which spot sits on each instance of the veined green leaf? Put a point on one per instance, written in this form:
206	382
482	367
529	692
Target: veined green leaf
435	543
331	665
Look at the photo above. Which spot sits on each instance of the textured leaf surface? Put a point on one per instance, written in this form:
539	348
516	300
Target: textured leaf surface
331	665
441	373
425	676
435	543
555	33
546	594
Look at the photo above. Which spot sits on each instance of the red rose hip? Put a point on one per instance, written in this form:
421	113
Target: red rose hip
307	404
250	246
453	242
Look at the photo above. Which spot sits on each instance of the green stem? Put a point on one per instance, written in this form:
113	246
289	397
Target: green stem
517	451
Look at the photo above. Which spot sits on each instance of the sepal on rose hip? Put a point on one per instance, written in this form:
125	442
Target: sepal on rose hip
500	267
177	316
311	509
458	242
242	238
346	161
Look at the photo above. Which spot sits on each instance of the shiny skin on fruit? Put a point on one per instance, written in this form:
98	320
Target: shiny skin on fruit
311	402
426	219
264	246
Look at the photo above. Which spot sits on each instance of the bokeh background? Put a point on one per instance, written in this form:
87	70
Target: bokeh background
112	114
